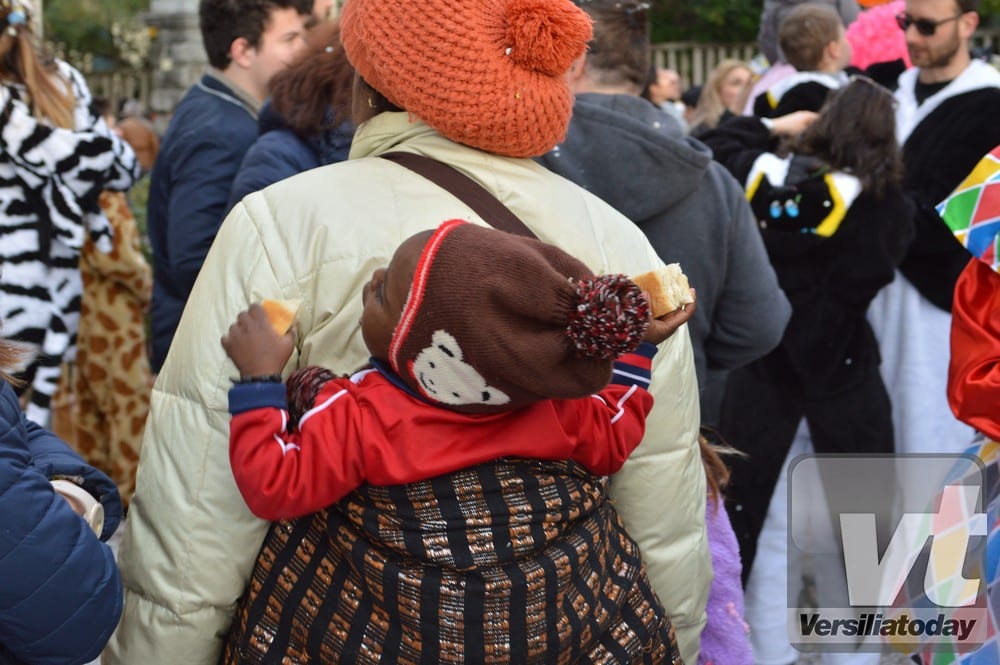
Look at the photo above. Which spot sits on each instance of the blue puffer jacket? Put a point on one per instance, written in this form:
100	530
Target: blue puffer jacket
60	593
280	153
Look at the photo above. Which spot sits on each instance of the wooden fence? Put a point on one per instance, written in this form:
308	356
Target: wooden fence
116	86
694	61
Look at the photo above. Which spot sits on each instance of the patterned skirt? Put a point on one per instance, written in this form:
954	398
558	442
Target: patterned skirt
513	561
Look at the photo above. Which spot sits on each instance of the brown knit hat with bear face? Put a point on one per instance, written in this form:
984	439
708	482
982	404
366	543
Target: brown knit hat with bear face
494	321
486	73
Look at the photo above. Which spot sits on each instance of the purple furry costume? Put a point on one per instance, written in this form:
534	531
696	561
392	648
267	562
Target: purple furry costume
724	640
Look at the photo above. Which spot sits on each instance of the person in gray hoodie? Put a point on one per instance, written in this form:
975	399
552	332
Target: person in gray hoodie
635	157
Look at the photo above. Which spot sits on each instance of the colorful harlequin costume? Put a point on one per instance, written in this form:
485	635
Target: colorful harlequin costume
974	375
973	212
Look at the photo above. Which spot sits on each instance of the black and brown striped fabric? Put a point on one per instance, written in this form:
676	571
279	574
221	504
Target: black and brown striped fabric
513	561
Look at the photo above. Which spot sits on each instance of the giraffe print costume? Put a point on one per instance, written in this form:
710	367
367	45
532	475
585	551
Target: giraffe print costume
102	403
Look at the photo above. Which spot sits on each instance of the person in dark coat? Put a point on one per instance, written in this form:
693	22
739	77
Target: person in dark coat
836	224
304	124
633	155
247	42
61	594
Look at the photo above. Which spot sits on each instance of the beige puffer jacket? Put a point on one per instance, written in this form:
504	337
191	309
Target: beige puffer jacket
190	542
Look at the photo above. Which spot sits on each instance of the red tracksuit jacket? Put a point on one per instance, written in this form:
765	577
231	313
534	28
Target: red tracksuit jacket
367	429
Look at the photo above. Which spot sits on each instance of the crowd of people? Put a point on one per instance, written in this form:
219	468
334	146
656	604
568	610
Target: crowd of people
476	442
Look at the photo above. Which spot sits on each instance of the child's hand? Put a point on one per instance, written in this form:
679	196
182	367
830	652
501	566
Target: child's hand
255	347
663	327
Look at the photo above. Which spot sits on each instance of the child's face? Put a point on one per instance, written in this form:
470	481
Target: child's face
384	296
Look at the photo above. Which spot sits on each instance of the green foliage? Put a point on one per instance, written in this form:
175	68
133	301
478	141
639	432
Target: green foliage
94	28
138	197
735	21
707	21
989	12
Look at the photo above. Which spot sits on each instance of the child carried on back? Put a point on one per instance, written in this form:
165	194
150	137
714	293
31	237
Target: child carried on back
486	348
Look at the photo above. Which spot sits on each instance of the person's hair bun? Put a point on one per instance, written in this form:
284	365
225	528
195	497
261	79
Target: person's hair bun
545	36
610	318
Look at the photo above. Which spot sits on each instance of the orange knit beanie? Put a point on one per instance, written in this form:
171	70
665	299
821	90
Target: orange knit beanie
486	73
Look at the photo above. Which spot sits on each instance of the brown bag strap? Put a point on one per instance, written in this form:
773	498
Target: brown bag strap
465	189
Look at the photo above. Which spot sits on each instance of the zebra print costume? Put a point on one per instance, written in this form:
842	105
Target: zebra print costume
50	179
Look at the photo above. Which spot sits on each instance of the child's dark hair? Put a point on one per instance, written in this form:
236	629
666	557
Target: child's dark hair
319	80
619	51
806	32
224	21
856	133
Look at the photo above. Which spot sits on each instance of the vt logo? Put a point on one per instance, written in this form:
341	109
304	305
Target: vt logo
875	582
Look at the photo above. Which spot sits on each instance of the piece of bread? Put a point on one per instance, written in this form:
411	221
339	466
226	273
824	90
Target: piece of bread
280	313
667	287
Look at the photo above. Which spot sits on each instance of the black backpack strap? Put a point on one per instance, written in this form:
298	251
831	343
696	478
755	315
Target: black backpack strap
465	189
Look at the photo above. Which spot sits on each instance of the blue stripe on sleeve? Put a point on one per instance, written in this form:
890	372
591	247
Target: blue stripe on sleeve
635	368
249	396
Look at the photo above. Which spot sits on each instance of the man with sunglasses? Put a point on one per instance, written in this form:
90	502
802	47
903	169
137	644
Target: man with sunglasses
946	119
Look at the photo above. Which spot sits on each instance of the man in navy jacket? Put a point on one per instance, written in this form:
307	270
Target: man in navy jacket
247	42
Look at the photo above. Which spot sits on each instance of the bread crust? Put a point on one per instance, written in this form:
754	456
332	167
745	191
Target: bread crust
667	287
280	313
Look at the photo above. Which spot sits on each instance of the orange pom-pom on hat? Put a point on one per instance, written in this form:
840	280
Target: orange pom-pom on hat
486	73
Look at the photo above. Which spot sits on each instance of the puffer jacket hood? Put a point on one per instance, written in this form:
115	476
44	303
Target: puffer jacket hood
61	594
280	153
269	120
329	146
617	146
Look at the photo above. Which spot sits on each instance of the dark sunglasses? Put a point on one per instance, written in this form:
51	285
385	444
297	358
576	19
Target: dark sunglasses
924	26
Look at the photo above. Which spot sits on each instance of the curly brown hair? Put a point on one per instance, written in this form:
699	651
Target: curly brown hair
320	80
619	51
